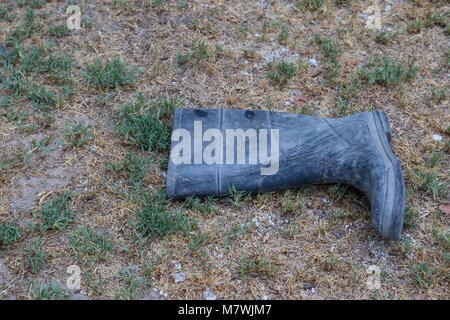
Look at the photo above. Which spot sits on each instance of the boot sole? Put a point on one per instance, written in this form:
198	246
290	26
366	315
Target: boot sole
389	221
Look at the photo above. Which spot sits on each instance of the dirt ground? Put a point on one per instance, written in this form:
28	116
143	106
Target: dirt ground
254	249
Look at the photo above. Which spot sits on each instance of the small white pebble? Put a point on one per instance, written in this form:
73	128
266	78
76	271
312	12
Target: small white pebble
255	221
363	15
176	265
179	277
162	293
437	137
313	62
208	295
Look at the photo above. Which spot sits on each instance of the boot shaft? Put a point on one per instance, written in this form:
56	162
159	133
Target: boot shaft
256	151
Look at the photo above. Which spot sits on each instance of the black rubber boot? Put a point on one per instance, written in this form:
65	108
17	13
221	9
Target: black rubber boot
352	150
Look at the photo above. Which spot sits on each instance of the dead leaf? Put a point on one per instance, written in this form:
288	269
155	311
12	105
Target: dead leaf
419	296
301	100
445	209
348	42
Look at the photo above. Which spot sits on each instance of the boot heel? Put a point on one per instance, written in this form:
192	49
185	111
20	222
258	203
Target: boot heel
383	120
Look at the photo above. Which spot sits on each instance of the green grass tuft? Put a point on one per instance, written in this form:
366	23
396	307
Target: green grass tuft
154	219
204	207
24	31
330	264
257	266
435	159
384	37
57	213
10	233
237	198
311	4
34	255
131	283
442	239
40	60
423	274
77	135
200	53
408	218
387	72
147	124
183	59
283	36
42	98
332	51
58	31
5	13
11	159
430	182
233	233
438	94
111	74
198	240
290	204
132	167
89	246
51	291
337	191
280	73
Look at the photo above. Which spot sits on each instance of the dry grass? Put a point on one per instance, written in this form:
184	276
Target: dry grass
325	242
